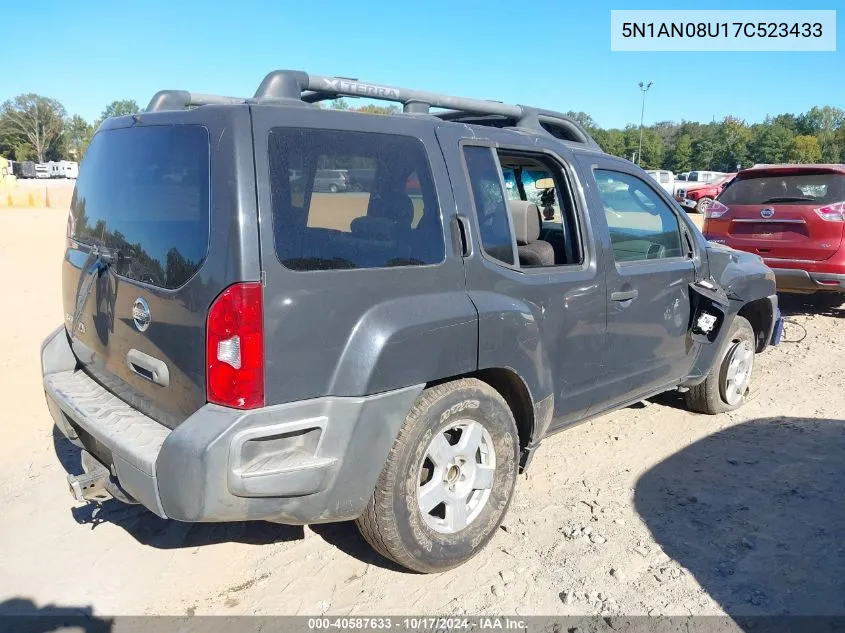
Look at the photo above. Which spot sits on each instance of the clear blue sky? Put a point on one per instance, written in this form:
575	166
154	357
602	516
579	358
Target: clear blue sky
550	53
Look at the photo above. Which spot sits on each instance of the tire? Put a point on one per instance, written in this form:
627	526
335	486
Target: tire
715	395
333	188
702	205
396	525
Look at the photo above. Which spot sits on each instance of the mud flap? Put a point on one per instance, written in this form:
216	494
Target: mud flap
777	331
708	310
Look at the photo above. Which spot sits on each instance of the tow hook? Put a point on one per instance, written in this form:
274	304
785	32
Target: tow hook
92	485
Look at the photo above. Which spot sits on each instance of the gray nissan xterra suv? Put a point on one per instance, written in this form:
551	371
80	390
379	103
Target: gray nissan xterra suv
240	346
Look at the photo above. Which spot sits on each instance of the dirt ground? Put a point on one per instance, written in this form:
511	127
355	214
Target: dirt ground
650	510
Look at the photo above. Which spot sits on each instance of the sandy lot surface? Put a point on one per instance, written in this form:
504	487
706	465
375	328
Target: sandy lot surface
650	510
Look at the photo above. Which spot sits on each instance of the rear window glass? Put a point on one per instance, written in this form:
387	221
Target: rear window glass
352	200
795	189
144	192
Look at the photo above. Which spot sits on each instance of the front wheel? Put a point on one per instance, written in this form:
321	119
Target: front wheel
448	480
702	205
726	387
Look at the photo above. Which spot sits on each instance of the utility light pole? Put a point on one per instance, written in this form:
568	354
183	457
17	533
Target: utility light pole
644	88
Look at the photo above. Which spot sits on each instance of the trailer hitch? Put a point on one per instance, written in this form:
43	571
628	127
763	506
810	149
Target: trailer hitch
90	485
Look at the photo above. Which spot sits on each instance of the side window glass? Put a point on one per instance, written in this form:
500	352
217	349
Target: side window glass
490	205
346	200
511	187
641	225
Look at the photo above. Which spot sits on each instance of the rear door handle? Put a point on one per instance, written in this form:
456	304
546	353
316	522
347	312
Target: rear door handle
148	367
625	295
461	227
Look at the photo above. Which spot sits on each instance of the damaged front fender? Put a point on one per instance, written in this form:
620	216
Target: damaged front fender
739	282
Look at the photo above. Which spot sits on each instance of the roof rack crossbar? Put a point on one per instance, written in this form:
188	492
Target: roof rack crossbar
182	99
290	84
296	86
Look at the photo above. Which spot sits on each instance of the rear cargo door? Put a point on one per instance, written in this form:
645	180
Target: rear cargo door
137	274
780	214
365	288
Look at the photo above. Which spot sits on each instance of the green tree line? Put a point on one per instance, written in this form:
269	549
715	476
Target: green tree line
35	127
816	136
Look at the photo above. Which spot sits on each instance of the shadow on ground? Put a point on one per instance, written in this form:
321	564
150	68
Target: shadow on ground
757	514
346	537
149	529
820	303
22	615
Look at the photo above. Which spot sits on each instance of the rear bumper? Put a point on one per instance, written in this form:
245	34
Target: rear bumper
301	462
792	279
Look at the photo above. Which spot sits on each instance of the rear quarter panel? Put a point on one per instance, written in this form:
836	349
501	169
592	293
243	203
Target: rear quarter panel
368	330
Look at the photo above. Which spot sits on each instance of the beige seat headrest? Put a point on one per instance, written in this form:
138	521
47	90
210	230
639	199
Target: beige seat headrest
526	221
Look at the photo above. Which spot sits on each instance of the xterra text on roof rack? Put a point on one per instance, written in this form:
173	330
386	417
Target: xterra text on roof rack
279	312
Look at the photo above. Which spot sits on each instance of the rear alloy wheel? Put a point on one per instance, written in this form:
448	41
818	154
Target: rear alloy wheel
726	387
702	205
448	480
455	479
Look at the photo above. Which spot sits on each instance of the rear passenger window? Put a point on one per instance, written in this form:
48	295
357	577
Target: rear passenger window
641	225
490	205
352	200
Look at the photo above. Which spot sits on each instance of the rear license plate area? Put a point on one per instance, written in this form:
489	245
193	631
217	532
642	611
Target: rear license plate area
769	230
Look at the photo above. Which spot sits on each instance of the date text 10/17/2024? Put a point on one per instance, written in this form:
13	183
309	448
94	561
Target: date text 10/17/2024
421	623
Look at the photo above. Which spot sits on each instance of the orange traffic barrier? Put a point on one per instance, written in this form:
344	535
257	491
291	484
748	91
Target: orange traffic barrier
25	197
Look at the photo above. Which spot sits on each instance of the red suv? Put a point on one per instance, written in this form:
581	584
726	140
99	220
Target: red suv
699	199
793	216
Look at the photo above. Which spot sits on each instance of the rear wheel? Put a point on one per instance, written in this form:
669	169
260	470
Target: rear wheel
333	188
448	480
702	205
726	387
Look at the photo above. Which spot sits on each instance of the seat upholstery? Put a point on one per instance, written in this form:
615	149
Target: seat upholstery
366	227
526	225
394	205
526	221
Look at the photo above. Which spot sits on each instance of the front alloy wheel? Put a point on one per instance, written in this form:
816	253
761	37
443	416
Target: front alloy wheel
734	379
726	386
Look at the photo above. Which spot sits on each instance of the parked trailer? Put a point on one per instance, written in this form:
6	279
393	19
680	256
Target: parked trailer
63	169
26	169
6	167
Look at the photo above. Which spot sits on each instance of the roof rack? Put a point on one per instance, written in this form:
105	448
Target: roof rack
294	86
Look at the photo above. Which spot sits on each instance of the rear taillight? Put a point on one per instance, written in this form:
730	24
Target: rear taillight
833	212
235	348
716	210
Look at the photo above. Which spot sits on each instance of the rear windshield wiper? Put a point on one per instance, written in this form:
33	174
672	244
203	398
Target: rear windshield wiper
99	260
788	199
